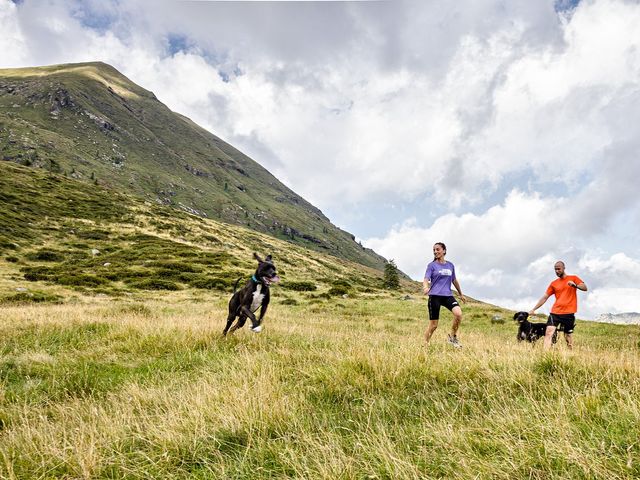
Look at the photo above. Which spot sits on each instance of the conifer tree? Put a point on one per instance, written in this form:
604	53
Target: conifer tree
391	279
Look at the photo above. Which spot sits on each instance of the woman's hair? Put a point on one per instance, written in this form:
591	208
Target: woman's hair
444	247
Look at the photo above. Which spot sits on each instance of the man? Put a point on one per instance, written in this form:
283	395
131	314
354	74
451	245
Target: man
565	307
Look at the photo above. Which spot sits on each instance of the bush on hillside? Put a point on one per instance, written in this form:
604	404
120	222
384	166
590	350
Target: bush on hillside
210	283
46	255
156	284
37	274
25	298
300	286
338	290
81	280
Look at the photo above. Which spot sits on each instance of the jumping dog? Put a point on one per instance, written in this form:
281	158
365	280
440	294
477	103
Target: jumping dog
254	295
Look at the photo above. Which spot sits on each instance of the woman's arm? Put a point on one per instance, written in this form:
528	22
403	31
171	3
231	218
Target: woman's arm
457	285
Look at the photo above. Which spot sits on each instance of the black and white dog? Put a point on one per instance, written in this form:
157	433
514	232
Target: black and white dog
531	331
254	295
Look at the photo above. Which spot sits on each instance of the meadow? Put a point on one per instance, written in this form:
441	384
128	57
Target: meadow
112	363
144	386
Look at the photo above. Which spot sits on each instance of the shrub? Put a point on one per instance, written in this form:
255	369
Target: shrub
46	256
155	284
22	298
36	274
300	286
7	245
82	279
289	301
93	234
338	290
175	266
210	283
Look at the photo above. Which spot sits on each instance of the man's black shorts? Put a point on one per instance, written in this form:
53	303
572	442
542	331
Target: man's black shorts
567	321
434	303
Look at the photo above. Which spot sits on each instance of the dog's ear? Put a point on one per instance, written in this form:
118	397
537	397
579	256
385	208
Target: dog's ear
257	257
515	315
268	258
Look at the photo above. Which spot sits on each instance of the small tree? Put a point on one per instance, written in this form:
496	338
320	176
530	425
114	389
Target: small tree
391	279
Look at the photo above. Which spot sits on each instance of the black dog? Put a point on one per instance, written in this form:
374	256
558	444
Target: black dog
531	331
254	295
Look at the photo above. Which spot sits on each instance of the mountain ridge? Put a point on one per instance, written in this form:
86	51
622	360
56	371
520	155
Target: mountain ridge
90	122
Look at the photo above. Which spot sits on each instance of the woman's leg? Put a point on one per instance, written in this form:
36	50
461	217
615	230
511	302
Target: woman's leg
457	318
433	324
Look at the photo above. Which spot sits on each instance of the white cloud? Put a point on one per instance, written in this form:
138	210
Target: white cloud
12	42
504	130
506	255
613	300
507	235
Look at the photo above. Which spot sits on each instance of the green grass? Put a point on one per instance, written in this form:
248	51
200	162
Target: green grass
332	390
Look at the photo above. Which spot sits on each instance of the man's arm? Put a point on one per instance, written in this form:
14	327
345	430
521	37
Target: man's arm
580	286
543	299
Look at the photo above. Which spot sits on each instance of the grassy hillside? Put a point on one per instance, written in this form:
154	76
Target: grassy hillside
90	123
59	236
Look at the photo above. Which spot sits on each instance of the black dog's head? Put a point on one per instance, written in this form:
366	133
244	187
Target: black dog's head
266	271
521	317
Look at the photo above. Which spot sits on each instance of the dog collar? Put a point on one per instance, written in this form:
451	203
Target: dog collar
253	277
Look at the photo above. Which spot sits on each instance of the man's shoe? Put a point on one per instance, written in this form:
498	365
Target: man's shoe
256	329
453	340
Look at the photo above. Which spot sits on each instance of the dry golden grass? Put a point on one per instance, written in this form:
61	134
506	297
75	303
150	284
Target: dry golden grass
331	389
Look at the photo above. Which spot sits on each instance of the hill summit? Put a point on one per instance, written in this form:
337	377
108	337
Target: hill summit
91	123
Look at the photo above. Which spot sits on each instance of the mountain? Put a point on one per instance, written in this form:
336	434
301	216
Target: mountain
92	124
629	318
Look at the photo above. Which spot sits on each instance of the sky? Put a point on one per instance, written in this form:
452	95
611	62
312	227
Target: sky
507	129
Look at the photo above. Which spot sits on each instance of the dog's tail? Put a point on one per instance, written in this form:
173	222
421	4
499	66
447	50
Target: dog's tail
235	287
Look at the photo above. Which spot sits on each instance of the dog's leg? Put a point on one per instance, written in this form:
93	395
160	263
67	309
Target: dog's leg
248	313
230	319
263	311
240	324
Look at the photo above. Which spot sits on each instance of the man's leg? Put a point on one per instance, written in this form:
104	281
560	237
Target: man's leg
569	338
548	336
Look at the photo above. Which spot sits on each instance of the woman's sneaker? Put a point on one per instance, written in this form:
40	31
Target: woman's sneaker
453	340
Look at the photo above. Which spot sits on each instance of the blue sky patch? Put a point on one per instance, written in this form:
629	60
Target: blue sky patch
178	43
565	5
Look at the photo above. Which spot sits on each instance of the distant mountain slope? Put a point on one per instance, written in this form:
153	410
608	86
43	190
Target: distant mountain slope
628	318
59	235
91	123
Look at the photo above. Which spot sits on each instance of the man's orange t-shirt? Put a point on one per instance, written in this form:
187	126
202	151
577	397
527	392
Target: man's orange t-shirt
566	296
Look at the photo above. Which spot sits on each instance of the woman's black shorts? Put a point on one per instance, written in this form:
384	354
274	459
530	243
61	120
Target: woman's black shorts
434	303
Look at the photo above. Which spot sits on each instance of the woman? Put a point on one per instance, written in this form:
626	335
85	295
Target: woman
437	282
